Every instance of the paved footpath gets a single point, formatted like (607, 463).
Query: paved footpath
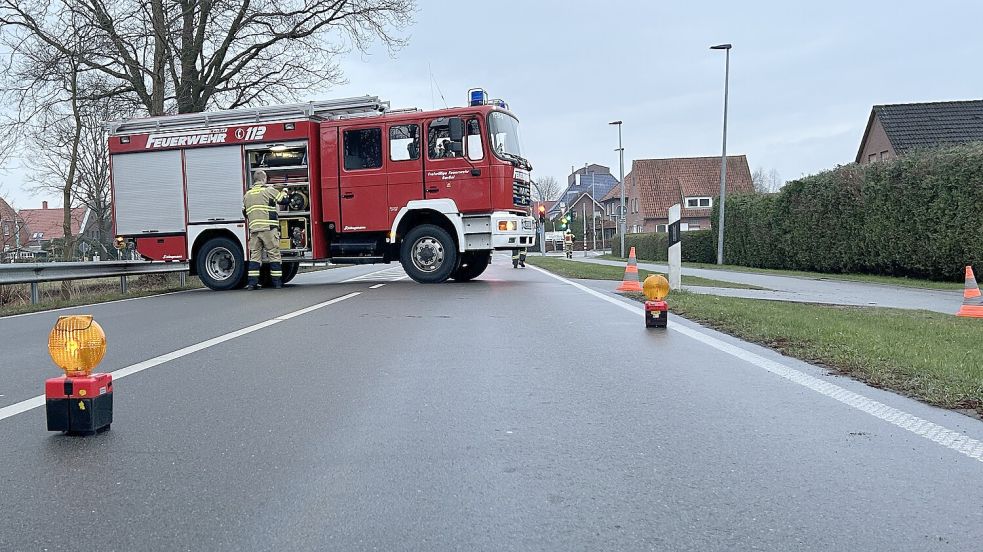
(813, 290)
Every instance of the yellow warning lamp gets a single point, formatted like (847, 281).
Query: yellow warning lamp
(656, 287)
(77, 344)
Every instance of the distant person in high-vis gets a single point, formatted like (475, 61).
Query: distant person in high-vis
(259, 206)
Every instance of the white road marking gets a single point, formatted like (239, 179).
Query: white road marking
(377, 286)
(24, 406)
(948, 438)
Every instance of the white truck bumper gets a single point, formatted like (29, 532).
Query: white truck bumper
(509, 231)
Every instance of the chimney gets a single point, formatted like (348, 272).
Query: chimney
(44, 204)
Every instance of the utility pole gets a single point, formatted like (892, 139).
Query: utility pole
(723, 156)
(621, 214)
(584, 205)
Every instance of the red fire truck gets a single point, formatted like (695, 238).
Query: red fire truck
(436, 190)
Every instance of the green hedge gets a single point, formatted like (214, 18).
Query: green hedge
(697, 246)
(919, 216)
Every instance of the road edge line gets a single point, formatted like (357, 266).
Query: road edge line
(936, 433)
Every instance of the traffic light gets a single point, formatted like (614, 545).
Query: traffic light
(542, 213)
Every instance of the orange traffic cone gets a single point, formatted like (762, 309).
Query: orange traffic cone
(630, 281)
(972, 299)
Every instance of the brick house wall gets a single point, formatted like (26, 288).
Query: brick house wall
(877, 146)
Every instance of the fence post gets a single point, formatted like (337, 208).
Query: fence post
(35, 293)
(122, 284)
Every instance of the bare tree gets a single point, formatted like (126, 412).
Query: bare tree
(92, 182)
(189, 55)
(546, 188)
(766, 182)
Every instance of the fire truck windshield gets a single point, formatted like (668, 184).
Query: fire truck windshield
(504, 131)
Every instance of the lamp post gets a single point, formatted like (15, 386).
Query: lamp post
(621, 213)
(723, 156)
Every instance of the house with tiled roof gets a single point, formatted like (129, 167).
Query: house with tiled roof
(655, 185)
(593, 179)
(896, 129)
(45, 226)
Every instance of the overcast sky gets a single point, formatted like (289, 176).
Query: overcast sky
(803, 77)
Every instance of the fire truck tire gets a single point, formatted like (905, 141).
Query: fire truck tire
(220, 264)
(428, 254)
(289, 271)
(473, 263)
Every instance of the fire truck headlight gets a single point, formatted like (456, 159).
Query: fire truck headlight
(507, 226)
(77, 344)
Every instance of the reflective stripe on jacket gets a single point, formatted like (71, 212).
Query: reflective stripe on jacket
(259, 205)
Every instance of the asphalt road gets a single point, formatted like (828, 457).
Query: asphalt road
(812, 290)
(516, 412)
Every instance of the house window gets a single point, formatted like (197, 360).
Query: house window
(363, 149)
(404, 142)
(698, 202)
(883, 155)
(694, 226)
(6, 229)
(661, 228)
(871, 158)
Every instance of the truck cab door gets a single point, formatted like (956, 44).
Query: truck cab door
(460, 176)
(363, 184)
(405, 166)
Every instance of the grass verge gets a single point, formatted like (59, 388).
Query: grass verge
(930, 356)
(865, 278)
(588, 271)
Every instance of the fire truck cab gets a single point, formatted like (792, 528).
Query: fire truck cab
(437, 191)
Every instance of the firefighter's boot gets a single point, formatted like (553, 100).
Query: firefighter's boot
(522, 258)
(515, 258)
(252, 282)
(276, 275)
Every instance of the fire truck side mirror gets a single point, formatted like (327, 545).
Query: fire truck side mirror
(456, 129)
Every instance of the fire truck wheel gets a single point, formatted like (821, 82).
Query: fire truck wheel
(220, 264)
(473, 263)
(289, 271)
(428, 254)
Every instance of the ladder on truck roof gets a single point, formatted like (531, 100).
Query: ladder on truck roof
(321, 110)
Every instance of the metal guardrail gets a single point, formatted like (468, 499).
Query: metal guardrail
(36, 273)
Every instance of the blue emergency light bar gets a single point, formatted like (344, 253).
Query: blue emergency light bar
(478, 96)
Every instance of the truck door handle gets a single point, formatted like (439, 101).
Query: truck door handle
(347, 195)
(432, 190)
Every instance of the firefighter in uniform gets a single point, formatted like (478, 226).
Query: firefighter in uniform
(568, 244)
(259, 206)
(519, 257)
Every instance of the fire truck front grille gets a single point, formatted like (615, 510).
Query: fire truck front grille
(521, 194)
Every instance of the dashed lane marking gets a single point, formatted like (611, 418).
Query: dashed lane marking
(29, 404)
(936, 433)
(377, 286)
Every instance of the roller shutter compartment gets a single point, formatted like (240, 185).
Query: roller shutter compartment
(148, 192)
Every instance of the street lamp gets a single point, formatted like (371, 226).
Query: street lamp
(723, 156)
(621, 213)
